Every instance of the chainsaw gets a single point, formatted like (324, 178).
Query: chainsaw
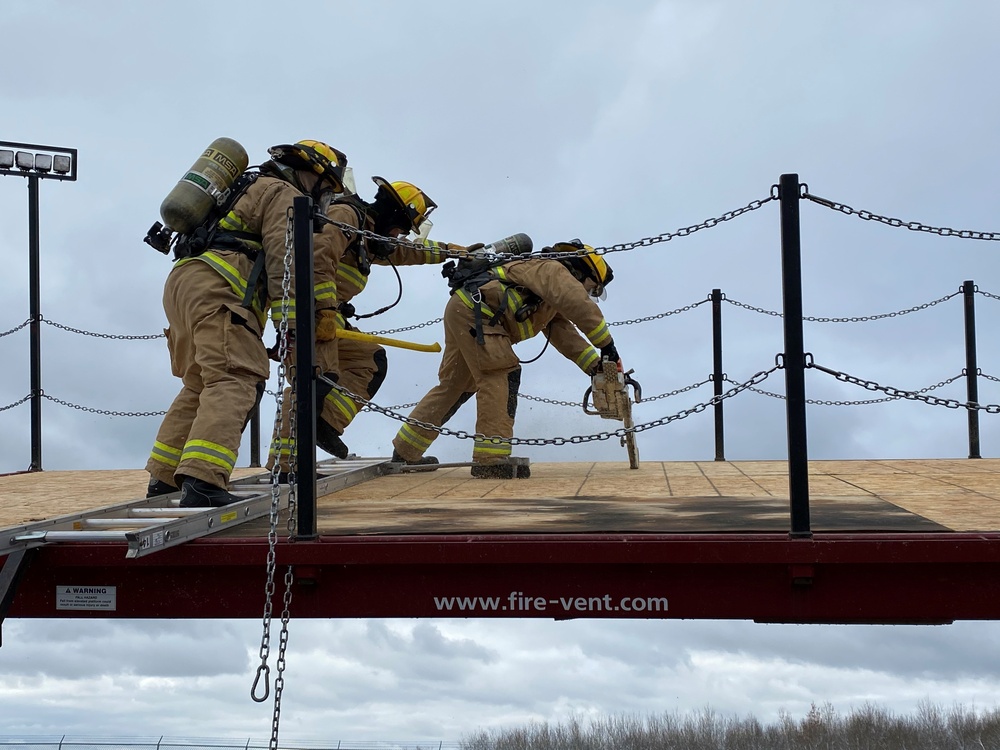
(609, 393)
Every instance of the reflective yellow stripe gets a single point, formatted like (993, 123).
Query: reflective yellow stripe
(600, 335)
(352, 276)
(165, 454)
(587, 359)
(231, 222)
(325, 290)
(283, 447)
(343, 404)
(276, 313)
(213, 453)
(432, 255)
(491, 449)
(410, 437)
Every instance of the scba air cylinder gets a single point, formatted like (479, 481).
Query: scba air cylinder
(204, 186)
(516, 244)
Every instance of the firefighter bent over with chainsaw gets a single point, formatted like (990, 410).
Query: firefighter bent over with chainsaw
(215, 300)
(488, 312)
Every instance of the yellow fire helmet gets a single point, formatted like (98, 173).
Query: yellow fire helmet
(587, 262)
(313, 156)
(413, 201)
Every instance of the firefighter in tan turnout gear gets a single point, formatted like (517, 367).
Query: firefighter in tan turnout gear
(215, 300)
(482, 321)
(398, 208)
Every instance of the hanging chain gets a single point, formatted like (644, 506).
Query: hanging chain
(575, 439)
(864, 402)
(16, 403)
(578, 404)
(105, 412)
(988, 377)
(263, 671)
(15, 329)
(871, 385)
(408, 328)
(986, 294)
(667, 314)
(600, 250)
(102, 335)
(858, 319)
(916, 226)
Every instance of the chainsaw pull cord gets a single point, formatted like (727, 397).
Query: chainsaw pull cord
(537, 356)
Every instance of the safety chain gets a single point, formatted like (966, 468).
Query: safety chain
(408, 328)
(15, 329)
(871, 385)
(105, 412)
(16, 403)
(575, 439)
(692, 306)
(856, 403)
(856, 319)
(600, 250)
(988, 377)
(916, 226)
(578, 404)
(986, 294)
(102, 335)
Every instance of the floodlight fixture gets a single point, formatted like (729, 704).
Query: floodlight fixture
(31, 160)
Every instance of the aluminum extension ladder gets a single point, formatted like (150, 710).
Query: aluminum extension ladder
(153, 524)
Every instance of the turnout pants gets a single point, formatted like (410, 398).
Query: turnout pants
(490, 371)
(216, 350)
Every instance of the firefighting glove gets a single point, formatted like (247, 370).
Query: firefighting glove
(474, 247)
(326, 325)
(610, 352)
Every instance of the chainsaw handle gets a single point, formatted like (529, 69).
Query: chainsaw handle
(586, 399)
(637, 389)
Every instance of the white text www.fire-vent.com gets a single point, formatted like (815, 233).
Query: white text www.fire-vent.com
(517, 601)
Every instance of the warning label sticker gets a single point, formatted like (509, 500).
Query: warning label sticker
(86, 597)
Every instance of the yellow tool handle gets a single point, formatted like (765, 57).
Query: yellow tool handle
(343, 333)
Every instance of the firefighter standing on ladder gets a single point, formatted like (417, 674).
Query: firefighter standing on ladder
(398, 208)
(216, 322)
(482, 321)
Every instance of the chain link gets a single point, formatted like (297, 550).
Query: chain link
(15, 329)
(916, 226)
(986, 294)
(102, 335)
(871, 385)
(573, 440)
(579, 404)
(988, 377)
(856, 319)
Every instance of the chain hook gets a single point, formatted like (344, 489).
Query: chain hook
(262, 671)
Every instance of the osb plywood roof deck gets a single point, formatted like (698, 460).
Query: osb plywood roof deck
(932, 495)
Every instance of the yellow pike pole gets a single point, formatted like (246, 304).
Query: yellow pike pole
(343, 333)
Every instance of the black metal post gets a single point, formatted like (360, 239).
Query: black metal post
(717, 374)
(305, 370)
(794, 356)
(35, 326)
(971, 368)
(255, 437)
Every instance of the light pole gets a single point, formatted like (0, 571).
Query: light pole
(36, 163)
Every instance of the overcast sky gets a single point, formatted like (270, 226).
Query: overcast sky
(607, 122)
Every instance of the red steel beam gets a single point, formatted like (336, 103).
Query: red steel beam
(831, 578)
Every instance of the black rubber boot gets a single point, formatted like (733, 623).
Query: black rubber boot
(493, 471)
(523, 471)
(197, 493)
(328, 439)
(158, 487)
(422, 461)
